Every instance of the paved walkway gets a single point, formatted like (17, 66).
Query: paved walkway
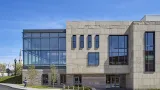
(18, 87)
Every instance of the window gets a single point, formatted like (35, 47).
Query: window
(93, 58)
(74, 41)
(149, 51)
(96, 41)
(118, 50)
(44, 49)
(89, 41)
(81, 41)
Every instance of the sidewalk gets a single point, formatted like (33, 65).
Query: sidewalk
(22, 87)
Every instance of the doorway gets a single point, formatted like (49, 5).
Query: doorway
(45, 79)
(113, 81)
(77, 80)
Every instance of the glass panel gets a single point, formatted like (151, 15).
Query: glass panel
(44, 34)
(97, 41)
(74, 41)
(114, 44)
(121, 42)
(30, 57)
(37, 57)
(62, 43)
(54, 57)
(27, 34)
(82, 41)
(89, 41)
(53, 34)
(33, 57)
(35, 44)
(45, 57)
(54, 43)
(91, 59)
(45, 44)
(62, 57)
(35, 34)
(25, 57)
(62, 34)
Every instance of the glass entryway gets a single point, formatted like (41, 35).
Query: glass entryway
(77, 80)
(115, 81)
(45, 79)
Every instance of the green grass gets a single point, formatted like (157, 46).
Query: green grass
(11, 79)
(80, 88)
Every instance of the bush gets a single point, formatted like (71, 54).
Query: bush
(11, 79)
(80, 88)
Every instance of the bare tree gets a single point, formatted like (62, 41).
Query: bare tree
(2, 69)
(32, 73)
(53, 74)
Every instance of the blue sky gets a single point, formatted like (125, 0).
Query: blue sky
(16, 15)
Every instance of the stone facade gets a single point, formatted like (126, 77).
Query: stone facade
(95, 76)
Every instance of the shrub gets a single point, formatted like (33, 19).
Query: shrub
(80, 88)
(11, 79)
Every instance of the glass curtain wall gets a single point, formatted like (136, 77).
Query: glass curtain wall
(44, 49)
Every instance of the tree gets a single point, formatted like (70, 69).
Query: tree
(53, 74)
(2, 69)
(18, 68)
(32, 73)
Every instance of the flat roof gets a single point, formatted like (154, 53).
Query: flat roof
(44, 30)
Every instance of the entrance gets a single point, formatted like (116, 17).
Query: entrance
(45, 79)
(113, 81)
(77, 80)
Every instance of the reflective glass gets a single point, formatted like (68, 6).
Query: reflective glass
(62, 34)
(45, 44)
(35, 34)
(44, 34)
(97, 41)
(89, 41)
(62, 57)
(62, 43)
(93, 58)
(118, 49)
(44, 57)
(27, 34)
(74, 41)
(54, 43)
(54, 57)
(35, 44)
(81, 41)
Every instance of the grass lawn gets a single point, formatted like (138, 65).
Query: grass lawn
(40, 87)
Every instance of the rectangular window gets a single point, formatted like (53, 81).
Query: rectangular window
(96, 41)
(149, 52)
(74, 41)
(118, 50)
(89, 41)
(93, 58)
(81, 41)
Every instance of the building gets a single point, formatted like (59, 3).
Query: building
(100, 54)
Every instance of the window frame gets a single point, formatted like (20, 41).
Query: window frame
(96, 41)
(89, 39)
(81, 41)
(74, 41)
(96, 58)
(125, 60)
(146, 47)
